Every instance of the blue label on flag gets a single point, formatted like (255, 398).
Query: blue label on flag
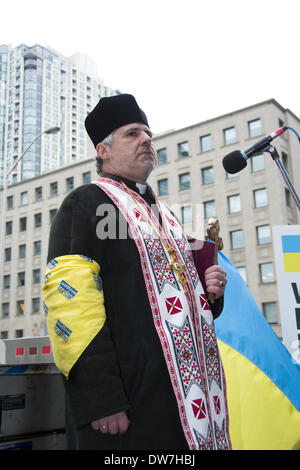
(86, 258)
(45, 308)
(52, 264)
(47, 277)
(66, 290)
(62, 330)
(98, 282)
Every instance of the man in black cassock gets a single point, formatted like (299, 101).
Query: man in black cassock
(118, 389)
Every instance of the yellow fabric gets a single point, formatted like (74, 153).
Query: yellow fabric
(260, 416)
(291, 262)
(74, 303)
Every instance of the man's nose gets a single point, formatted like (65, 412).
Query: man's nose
(146, 138)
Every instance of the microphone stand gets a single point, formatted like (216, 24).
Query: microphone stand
(274, 154)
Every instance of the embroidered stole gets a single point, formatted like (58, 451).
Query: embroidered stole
(183, 321)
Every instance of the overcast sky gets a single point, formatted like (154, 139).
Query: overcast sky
(185, 61)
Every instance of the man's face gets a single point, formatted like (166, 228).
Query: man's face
(131, 153)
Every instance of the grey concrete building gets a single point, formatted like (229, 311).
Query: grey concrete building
(191, 180)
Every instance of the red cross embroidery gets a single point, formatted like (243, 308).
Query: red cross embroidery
(171, 221)
(199, 408)
(204, 302)
(217, 404)
(173, 305)
(138, 215)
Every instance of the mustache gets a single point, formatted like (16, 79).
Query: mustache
(147, 148)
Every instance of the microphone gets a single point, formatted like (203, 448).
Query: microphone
(237, 160)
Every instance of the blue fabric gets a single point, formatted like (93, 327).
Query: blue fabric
(243, 327)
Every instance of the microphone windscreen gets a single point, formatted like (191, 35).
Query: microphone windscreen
(234, 162)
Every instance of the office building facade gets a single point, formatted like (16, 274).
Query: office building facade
(191, 180)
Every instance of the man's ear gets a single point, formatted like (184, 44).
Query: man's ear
(103, 151)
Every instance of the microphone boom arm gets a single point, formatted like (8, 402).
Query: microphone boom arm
(274, 154)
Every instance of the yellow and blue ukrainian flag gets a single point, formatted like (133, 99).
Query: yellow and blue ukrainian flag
(291, 253)
(263, 381)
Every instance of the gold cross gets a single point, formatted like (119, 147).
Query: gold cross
(178, 268)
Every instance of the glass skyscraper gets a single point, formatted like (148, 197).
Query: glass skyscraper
(39, 89)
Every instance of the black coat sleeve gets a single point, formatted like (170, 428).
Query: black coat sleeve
(94, 387)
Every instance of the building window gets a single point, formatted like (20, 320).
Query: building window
(205, 143)
(184, 181)
(266, 273)
(284, 159)
(258, 163)
(21, 279)
(237, 239)
(288, 199)
(5, 310)
(23, 224)
(242, 272)
(162, 156)
(53, 189)
(69, 183)
(183, 150)
(19, 333)
(254, 128)
(270, 311)
(8, 228)
(39, 193)
(36, 276)
(7, 254)
(186, 214)
(6, 281)
(22, 251)
(10, 202)
(209, 209)
(207, 175)
(234, 204)
(229, 136)
(37, 220)
(4, 335)
(162, 187)
(37, 247)
(24, 198)
(86, 177)
(231, 175)
(36, 305)
(260, 197)
(263, 233)
(20, 307)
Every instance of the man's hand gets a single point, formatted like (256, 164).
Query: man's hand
(215, 280)
(114, 424)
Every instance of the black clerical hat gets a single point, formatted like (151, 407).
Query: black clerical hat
(110, 114)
